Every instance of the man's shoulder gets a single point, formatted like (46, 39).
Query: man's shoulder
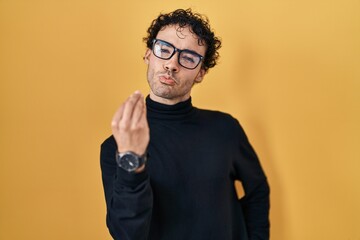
(109, 143)
(219, 119)
(216, 115)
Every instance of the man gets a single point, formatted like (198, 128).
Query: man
(169, 168)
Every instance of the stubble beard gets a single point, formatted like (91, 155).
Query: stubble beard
(159, 89)
(176, 92)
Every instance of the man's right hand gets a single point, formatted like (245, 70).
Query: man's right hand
(130, 127)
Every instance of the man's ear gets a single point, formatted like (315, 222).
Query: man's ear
(200, 75)
(147, 55)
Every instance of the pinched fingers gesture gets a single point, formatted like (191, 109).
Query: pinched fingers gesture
(130, 127)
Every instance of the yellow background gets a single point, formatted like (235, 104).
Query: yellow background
(289, 71)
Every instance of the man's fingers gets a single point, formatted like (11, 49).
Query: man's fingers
(124, 115)
(143, 118)
(117, 117)
(138, 111)
(129, 108)
(129, 125)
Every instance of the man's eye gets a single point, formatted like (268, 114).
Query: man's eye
(188, 59)
(165, 50)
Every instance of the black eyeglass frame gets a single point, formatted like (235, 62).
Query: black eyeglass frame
(176, 50)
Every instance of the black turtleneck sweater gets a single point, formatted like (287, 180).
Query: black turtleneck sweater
(187, 190)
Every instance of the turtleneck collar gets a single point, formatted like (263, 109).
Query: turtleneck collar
(163, 111)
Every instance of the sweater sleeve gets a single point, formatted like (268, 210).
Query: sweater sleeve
(256, 202)
(128, 197)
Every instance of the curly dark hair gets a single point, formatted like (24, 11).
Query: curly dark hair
(198, 24)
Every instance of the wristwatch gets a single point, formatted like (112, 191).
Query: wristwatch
(130, 161)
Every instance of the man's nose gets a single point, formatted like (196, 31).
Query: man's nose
(172, 64)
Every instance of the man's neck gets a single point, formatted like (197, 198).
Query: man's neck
(168, 101)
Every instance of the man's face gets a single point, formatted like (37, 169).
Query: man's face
(170, 82)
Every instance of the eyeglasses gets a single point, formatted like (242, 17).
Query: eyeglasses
(186, 58)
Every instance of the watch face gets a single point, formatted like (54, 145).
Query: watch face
(129, 162)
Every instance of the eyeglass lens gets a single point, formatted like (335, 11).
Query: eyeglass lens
(186, 58)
